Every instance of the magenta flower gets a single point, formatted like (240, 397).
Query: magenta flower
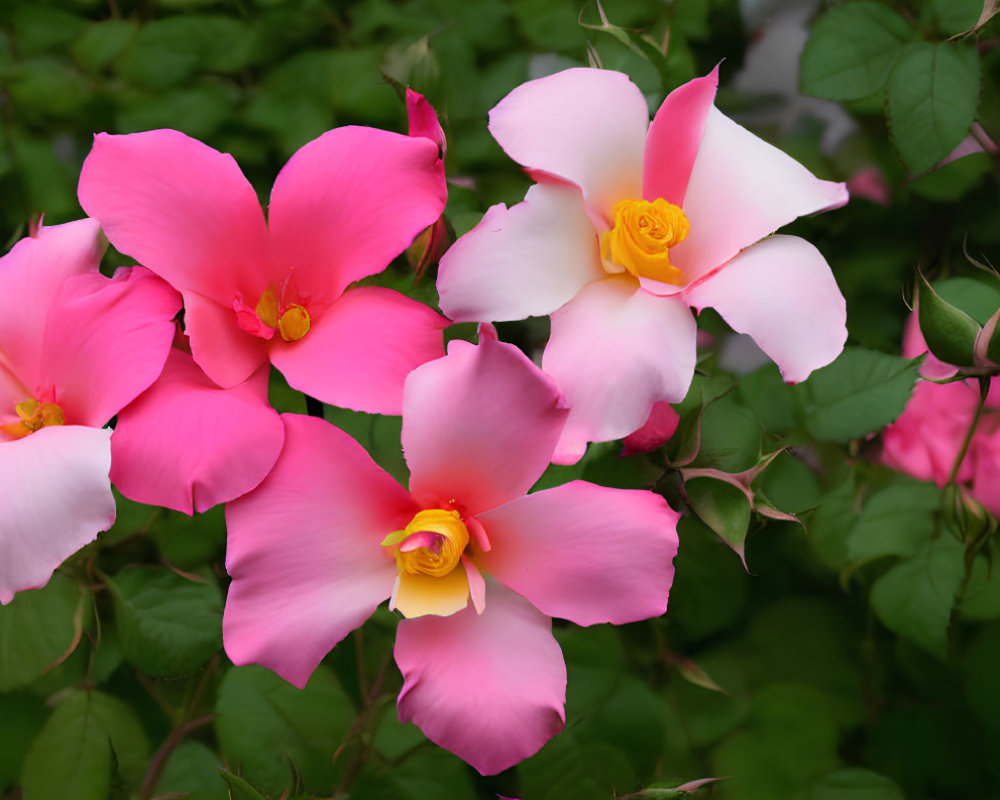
(328, 536)
(75, 347)
(342, 207)
(631, 223)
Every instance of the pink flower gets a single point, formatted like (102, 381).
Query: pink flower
(342, 207)
(328, 536)
(631, 223)
(926, 439)
(75, 347)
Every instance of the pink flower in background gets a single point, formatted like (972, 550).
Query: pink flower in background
(342, 207)
(75, 347)
(629, 225)
(328, 536)
(926, 439)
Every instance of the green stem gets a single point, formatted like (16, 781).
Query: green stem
(984, 389)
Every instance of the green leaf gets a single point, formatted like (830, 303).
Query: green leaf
(169, 625)
(730, 436)
(193, 769)
(851, 50)
(240, 788)
(266, 727)
(37, 628)
(853, 783)
(956, 16)
(861, 392)
(982, 597)
(103, 42)
(21, 716)
(897, 519)
(977, 298)
(916, 596)
(721, 506)
(931, 99)
(950, 333)
(78, 748)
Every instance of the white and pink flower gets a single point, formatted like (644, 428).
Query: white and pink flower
(629, 225)
(475, 564)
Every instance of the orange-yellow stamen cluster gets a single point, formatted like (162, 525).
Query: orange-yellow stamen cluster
(432, 544)
(33, 416)
(642, 235)
(292, 321)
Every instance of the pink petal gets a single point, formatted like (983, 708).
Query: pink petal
(359, 351)
(228, 354)
(674, 137)
(181, 209)
(31, 275)
(488, 687)
(188, 445)
(742, 189)
(57, 497)
(585, 553)
(478, 425)
(349, 202)
(524, 261)
(423, 120)
(615, 350)
(304, 550)
(655, 432)
(106, 341)
(587, 126)
(782, 293)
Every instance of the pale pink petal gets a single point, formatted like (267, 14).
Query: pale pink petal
(742, 189)
(349, 202)
(488, 687)
(188, 445)
(423, 120)
(359, 351)
(57, 497)
(478, 425)
(304, 550)
(106, 341)
(615, 350)
(30, 276)
(587, 126)
(181, 209)
(584, 552)
(781, 292)
(228, 354)
(522, 261)
(657, 429)
(674, 138)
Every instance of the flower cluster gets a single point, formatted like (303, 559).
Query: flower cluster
(629, 225)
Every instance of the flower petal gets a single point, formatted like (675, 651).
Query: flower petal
(741, 189)
(57, 497)
(228, 354)
(304, 550)
(584, 552)
(31, 275)
(349, 202)
(106, 341)
(522, 261)
(488, 687)
(782, 293)
(422, 120)
(181, 209)
(417, 595)
(615, 350)
(674, 138)
(359, 351)
(655, 431)
(188, 445)
(479, 425)
(587, 126)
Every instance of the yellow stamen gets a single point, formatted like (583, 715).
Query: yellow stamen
(267, 308)
(436, 537)
(34, 416)
(293, 323)
(641, 237)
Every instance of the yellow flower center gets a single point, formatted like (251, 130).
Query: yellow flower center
(432, 544)
(33, 416)
(292, 321)
(642, 236)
